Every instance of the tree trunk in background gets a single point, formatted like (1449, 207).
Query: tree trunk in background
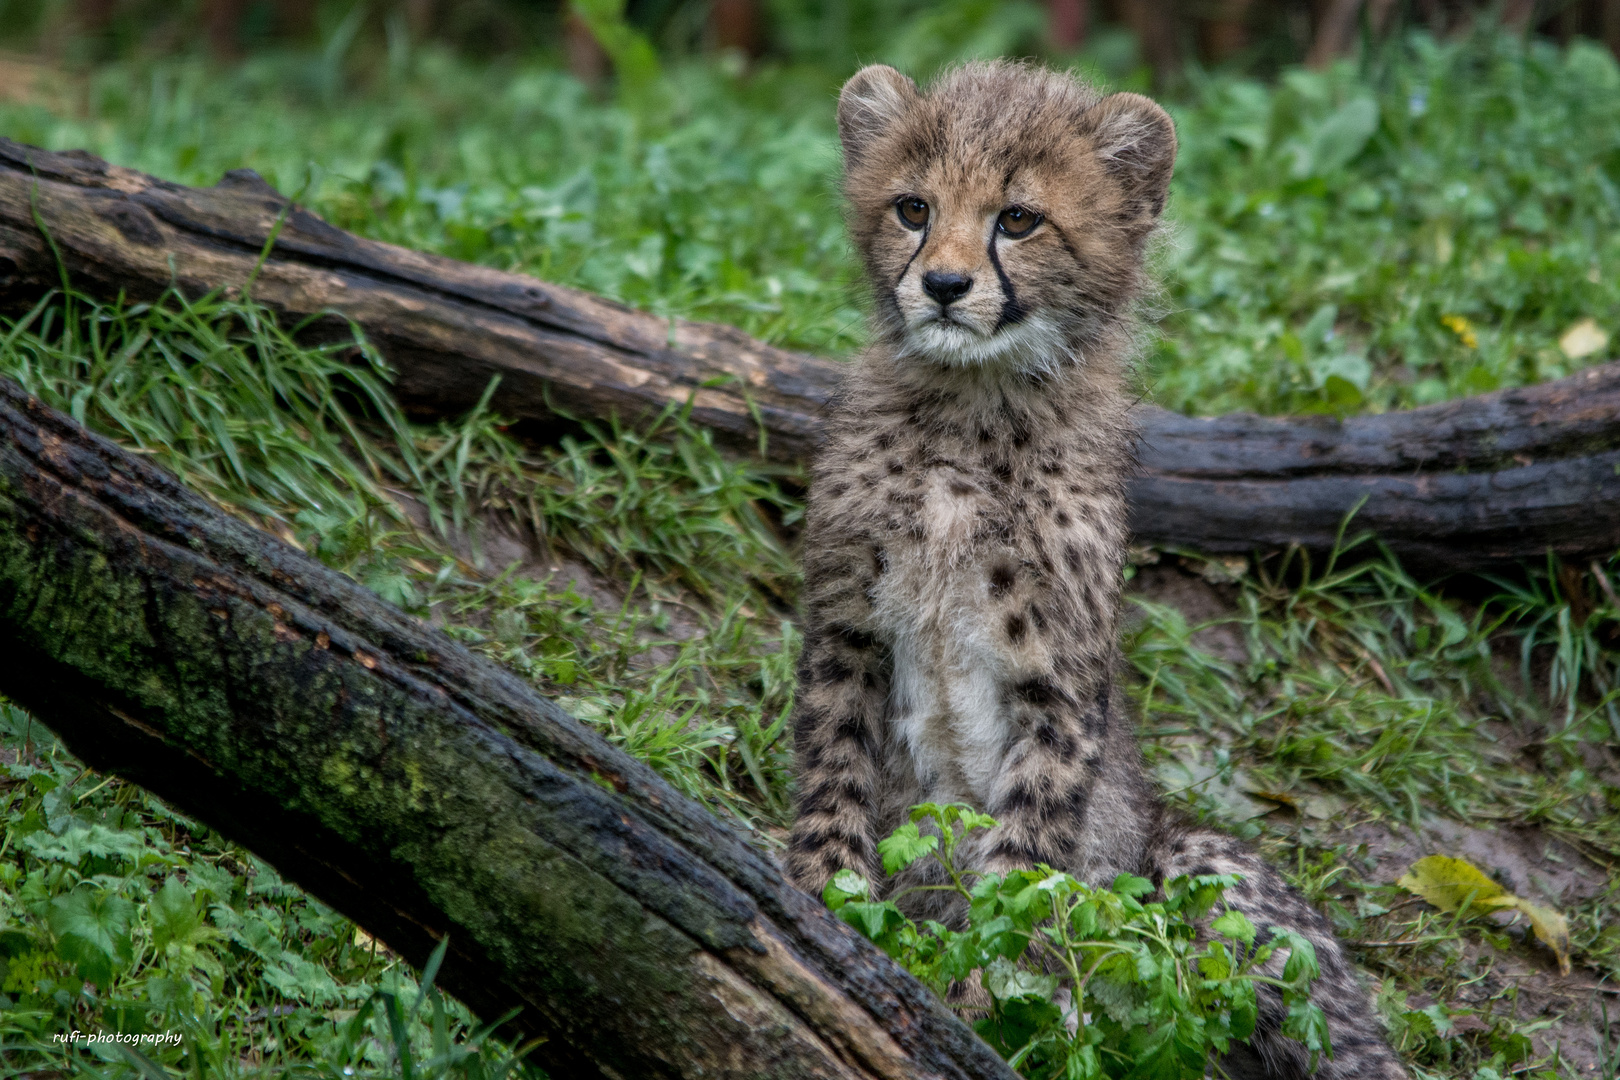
(425, 791)
(1066, 23)
(1436, 16)
(222, 21)
(1335, 32)
(735, 25)
(1462, 485)
(421, 17)
(1380, 16)
(587, 60)
(1518, 15)
(1567, 22)
(1156, 28)
(295, 19)
(93, 16)
(1610, 25)
(1226, 33)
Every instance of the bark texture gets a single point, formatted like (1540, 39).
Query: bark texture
(1463, 485)
(425, 791)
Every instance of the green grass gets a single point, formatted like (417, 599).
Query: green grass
(1328, 229)
(1304, 271)
(120, 915)
(1362, 682)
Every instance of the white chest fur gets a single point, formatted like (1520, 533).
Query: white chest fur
(950, 659)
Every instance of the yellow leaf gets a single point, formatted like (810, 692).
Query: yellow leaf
(1449, 883)
(1551, 928)
(1464, 330)
(1583, 339)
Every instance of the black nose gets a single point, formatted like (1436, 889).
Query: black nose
(945, 286)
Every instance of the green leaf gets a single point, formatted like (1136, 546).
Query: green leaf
(875, 920)
(144, 1065)
(1452, 627)
(78, 841)
(1193, 895)
(1159, 997)
(1026, 899)
(431, 972)
(1306, 1023)
(1082, 1064)
(905, 846)
(1340, 395)
(1235, 925)
(1116, 999)
(1301, 963)
(174, 914)
(634, 60)
(846, 885)
(1007, 981)
(1338, 139)
(1004, 936)
(1132, 886)
(1083, 919)
(299, 979)
(971, 820)
(92, 931)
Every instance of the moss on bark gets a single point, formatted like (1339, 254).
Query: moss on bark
(422, 790)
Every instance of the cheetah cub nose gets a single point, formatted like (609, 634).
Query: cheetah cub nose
(946, 286)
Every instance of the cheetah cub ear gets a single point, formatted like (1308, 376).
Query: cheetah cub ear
(1136, 141)
(873, 99)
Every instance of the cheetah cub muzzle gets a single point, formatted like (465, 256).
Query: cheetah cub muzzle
(967, 522)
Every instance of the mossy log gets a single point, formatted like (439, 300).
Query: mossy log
(425, 791)
(1463, 485)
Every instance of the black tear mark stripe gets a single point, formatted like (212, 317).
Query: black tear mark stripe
(1012, 312)
(928, 228)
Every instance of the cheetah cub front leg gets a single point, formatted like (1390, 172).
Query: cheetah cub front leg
(966, 524)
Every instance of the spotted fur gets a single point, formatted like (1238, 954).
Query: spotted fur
(967, 521)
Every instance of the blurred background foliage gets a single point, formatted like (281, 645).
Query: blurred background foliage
(1255, 36)
(1378, 203)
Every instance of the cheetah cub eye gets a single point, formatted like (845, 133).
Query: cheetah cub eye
(913, 212)
(1017, 222)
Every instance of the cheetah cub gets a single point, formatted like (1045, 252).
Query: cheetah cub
(967, 523)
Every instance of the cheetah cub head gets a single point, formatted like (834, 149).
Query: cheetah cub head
(1002, 215)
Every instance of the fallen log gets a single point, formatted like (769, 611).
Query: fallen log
(425, 791)
(1462, 485)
